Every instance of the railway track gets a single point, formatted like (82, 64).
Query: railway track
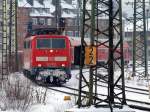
(74, 92)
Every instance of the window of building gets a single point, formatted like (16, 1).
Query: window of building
(47, 10)
(40, 10)
(49, 21)
(87, 35)
(34, 21)
(41, 2)
(76, 34)
(70, 33)
(70, 22)
(66, 11)
(42, 21)
(76, 22)
(32, 10)
(27, 44)
(149, 52)
(148, 42)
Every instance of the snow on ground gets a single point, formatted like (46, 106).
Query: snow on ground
(54, 103)
(93, 109)
(55, 100)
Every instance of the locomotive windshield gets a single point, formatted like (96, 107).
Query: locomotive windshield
(51, 43)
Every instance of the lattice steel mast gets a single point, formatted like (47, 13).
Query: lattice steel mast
(13, 54)
(9, 38)
(139, 39)
(89, 93)
(4, 41)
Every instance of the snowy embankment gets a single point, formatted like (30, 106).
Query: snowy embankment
(45, 100)
(20, 94)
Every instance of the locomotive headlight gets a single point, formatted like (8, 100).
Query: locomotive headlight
(41, 58)
(39, 65)
(60, 58)
(63, 65)
(51, 51)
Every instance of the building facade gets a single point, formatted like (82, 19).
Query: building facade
(34, 14)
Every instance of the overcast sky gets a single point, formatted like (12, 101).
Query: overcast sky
(129, 8)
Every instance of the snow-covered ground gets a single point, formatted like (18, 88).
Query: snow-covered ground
(54, 101)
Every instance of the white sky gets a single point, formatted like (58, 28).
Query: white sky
(129, 8)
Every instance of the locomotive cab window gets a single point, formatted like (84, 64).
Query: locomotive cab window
(43, 43)
(51, 43)
(58, 43)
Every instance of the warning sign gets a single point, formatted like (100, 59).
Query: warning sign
(90, 55)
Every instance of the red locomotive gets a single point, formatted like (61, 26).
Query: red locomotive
(47, 58)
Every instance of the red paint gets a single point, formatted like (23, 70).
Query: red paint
(31, 54)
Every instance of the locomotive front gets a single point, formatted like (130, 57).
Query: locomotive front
(51, 58)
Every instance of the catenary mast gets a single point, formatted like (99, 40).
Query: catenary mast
(93, 11)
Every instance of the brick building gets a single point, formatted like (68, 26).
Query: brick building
(22, 25)
(42, 14)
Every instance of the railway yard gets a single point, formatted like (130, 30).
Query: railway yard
(74, 56)
(137, 92)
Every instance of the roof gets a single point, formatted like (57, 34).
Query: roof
(69, 15)
(38, 8)
(46, 8)
(65, 5)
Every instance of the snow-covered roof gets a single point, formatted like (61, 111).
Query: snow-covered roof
(70, 15)
(23, 3)
(46, 4)
(66, 5)
(37, 6)
(38, 13)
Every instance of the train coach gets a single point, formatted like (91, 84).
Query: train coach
(102, 51)
(47, 58)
